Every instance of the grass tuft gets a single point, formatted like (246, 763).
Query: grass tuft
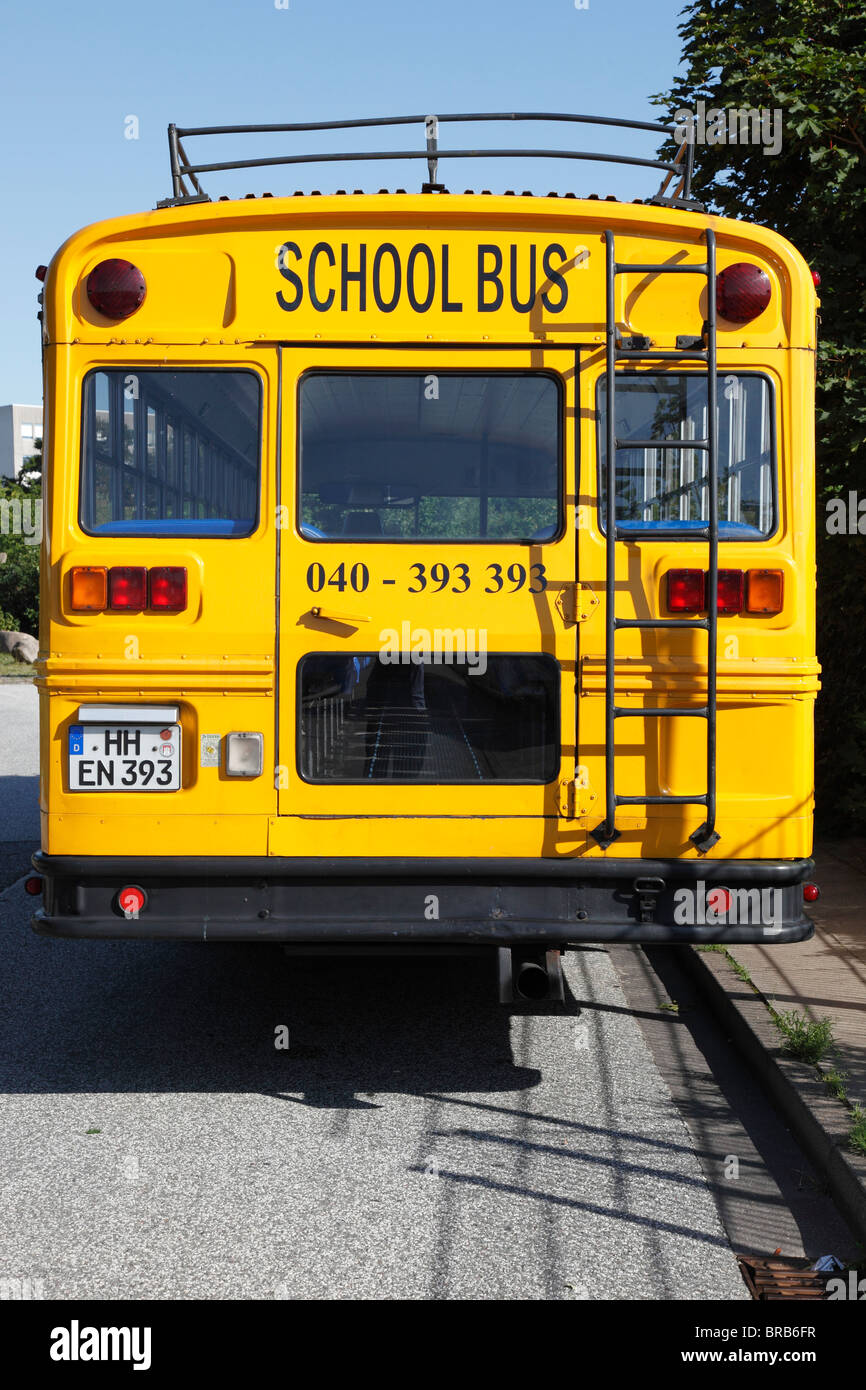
(10, 667)
(857, 1137)
(807, 1039)
(835, 1080)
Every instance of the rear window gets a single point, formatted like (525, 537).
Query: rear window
(667, 489)
(170, 453)
(446, 456)
(371, 717)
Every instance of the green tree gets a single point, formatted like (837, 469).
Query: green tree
(807, 59)
(30, 476)
(20, 515)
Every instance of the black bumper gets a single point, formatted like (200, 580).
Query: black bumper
(456, 902)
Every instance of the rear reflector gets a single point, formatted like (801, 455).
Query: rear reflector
(168, 589)
(33, 885)
(89, 589)
(765, 591)
(686, 590)
(132, 900)
(730, 591)
(742, 292)
(116, 288)
(811, 892)
(719, 900)
(127, 587)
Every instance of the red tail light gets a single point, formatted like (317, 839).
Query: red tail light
(168, 589)
(686, 590)
(811, 892)
(730, 590)
(116, 288)
(127, 588)
(742, 292)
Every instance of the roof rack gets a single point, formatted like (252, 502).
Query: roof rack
(675, 189)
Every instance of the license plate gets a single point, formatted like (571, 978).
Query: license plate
(124, 758)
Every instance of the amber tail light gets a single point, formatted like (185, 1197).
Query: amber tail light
(89, 589)
(765, 591)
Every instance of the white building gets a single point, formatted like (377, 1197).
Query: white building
(20, 427)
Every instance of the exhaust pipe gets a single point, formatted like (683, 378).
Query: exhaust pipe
(531, 981)
(529, 977)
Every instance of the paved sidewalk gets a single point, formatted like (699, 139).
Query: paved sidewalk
(823, 978)
(826, 977)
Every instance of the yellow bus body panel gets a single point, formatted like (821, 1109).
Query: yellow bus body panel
(217, 296)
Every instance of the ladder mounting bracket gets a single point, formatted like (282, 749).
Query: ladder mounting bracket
(702, 840)
(604, 837)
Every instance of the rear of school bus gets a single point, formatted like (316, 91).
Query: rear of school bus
(325, 657)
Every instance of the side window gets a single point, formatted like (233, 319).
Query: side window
(170, 453)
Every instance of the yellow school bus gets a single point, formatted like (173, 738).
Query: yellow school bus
(428, 570)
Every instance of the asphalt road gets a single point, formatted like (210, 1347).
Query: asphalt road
(19, 779)
(415, 1140)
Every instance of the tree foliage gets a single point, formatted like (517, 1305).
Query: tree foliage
(19, 573)
(807, 59)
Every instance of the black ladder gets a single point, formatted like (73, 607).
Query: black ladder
(706, 835)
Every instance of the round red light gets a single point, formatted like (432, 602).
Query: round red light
(816, 278)
(116, 288)
(742, 292)
(131, 900)
(33, 885)
(811, 892)
(719, 899)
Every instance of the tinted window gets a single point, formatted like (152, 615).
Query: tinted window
(444, 456)
(667, 488)
(170, 453)
(364, 718)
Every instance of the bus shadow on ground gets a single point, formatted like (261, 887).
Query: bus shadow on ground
(84, 1016)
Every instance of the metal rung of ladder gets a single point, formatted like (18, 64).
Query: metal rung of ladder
(706, 835)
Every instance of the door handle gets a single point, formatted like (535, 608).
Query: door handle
(333, 616)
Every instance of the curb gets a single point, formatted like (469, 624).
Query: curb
(819, 1121)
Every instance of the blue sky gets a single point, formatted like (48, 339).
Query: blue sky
(75, 72)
